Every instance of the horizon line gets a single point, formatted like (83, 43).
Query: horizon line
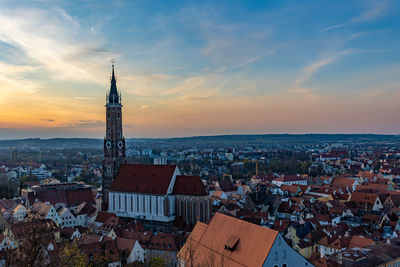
(217, 135)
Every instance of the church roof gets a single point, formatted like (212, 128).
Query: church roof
(145, 179)
(189, 185)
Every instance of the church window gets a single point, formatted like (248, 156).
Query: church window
(187, 210)
(131, 203)
(157, 206)
(202, 212)
(144, 204)
(194, 212)
(150, 207)
(182, 203)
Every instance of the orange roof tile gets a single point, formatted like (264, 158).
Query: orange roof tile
(251, 242)
(360, 242)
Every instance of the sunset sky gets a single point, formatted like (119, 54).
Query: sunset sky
(188, 68)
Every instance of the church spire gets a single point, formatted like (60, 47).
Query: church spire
(113, 97)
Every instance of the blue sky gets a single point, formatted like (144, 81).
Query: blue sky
(200, 67)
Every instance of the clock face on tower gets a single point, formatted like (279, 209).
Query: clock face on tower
(108, 145)
(120, 145)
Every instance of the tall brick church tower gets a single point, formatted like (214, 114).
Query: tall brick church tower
(114, 141)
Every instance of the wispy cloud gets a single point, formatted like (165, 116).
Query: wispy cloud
(13, 80)
(52, 39)
(308, 71)
(83, 98)
(374, 10)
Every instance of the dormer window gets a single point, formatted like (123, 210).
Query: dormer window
(232, 242)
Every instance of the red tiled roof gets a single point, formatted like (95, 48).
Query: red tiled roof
(140, 178)
(70, 197)
(106, 249)
(103, 216)
(189, 185)
(7, 204)
(360, 242)
(360, 197)
(41, 208)
(163, 241)
(76, 197)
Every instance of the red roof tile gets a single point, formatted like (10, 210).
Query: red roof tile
(189, 185)
(140, 178)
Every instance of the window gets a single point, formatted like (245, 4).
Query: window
(284, 265)
(202, 212)
(150, 205)
(157, 205)
(144, 204)
(137, 203)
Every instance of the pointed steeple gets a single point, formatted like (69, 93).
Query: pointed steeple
(113, 97)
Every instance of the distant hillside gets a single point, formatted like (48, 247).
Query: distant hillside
(208, 140)
(275, 138)
(52, 142)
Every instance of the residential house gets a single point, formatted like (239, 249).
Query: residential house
(232, 242)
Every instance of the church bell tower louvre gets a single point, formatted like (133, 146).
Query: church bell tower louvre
(114, 141)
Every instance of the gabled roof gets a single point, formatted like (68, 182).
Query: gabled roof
(41, 208)
(189, 185)
(250, 243)
(145, 179)
(6, 204)
(124, 244)
(69, 196)
(361, 197)
(85, 208)
(163, 241)
(103, 216)
(226, 185)
(360, 242)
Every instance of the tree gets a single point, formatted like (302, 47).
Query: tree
(37, 247)
(157, 262)
(71, 255)
(32, 250)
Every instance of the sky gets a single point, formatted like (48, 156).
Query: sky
(189, 68)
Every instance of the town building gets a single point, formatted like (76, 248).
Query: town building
(69, 195)
(227, 241)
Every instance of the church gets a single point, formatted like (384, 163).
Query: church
(153, 193)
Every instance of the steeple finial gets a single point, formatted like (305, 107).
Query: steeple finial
(113, 96)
